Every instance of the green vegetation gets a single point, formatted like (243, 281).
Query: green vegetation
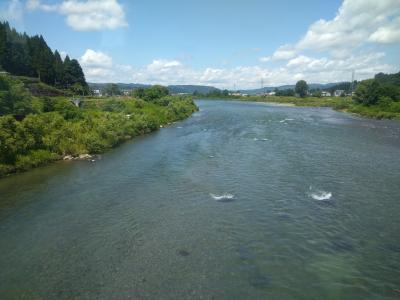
(374, 98)
(23, 55)
(53, 127)
(301, 88)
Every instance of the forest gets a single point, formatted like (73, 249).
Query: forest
(22, 55)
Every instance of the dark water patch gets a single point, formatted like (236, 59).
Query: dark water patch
(343, 244)
(183, 252)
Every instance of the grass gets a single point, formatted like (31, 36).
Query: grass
(344, 104)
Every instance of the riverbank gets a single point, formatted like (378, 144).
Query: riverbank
(343, 104)
(63, 130)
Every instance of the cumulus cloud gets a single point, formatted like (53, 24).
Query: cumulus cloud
(99, 67)
(328, 52)
(86, 15)
(387, 34)
(357, 23)
(93, 59)
(283, 53)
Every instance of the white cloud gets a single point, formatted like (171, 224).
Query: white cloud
(36, 4)
(86, 15)
(328, 52)
(387, 34)
(99, 67)
(265, 59)
(284, 52)
(355, 21)
(12, 11)
(95, 59)
(163, 65)
(63, 54)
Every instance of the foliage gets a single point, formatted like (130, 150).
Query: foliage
(287, 93)
(14, 98)
(112, 90)
(57, 128)
(301, 88)
(152, 93)
(368, 92)
(23, 55)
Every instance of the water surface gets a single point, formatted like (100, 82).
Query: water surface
(308, 208)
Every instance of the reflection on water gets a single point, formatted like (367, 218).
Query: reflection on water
(242, 200)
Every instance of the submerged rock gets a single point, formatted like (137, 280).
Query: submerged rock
(183, 252)
(84, 156)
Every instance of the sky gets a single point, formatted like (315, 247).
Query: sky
(224, 43)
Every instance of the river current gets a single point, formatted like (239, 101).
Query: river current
(240, 201)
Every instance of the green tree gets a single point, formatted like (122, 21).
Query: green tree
(14, 98)
(78, 89)
(42, 59)
(155, 92)
(301, 88)
(112, 90)
(58, 69)
(368, 92)
(3, 42)
(139, 93)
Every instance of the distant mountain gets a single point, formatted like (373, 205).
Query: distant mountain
(312, 86)
(174, 89)
(122, 86)
(204, 89)
(190, 89)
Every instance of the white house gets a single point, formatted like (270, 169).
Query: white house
(97, 93)
(339, 93)
(326, 94)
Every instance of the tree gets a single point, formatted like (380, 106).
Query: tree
(3, 42)
(301, 88)
(139, 93)
(368, 92)
(112, 90)
(58, 69)
(73, 73)
(23, 55)
(155, 92)
(78, 89)
(14, 98)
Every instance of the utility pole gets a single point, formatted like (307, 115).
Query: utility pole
(262, 86)
(353, 73)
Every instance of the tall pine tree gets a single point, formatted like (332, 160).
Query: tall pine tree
(31, 56)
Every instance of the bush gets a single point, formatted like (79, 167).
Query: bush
(368, 92)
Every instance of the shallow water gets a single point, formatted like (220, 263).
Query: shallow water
(229, 204)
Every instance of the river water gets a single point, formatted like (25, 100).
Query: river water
(240, 201)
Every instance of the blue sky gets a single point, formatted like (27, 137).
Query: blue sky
(221, 43)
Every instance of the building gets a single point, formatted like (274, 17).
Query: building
(126, 92)
(339, 93)
(97, 93)
(326, 94)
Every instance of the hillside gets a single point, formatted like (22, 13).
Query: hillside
(30, 56)
(173, 89)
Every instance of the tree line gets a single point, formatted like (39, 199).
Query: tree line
(24, 55)
(53, 127)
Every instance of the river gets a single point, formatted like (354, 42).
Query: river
(240, 201)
